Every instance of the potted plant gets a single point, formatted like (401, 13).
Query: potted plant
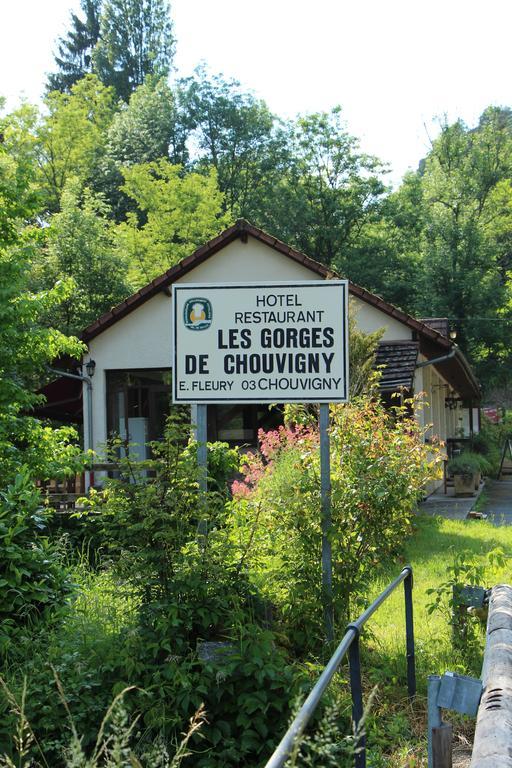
(465, 469)
(484, 468)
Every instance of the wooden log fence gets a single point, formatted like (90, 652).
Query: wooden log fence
(492, 746)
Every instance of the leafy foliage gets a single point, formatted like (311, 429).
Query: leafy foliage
(72, 136)
(79, 250)
(181, 212)
(449, 220)
(147, 129)
(170, 550)
(32, 577)
(26, 346)
(236, 134)
(19, 196)
(379, 467)
(339, 187)
(113, 747)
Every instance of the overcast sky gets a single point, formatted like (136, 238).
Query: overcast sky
(393, 65)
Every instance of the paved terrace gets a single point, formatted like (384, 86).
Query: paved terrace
(497, 507)
(448, 505)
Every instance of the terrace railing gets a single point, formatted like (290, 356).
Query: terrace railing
(350, 644)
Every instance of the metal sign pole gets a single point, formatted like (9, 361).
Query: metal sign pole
(202, 450)
(325, 491)
(202, 471)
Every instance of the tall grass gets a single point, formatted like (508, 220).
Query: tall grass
(93, 625)
(399, 727)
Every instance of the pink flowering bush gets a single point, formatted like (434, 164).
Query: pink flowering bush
(271, 445)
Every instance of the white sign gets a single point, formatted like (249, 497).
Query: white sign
(260, 342)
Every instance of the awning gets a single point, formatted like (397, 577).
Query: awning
(63, 401)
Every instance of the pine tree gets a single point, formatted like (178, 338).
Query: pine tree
(74, 59)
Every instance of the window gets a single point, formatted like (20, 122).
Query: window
(239, 424)
(138, 403)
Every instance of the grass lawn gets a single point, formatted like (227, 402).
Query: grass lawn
(430, 552)
(400, 730)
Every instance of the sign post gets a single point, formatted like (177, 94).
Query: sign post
(270, 342)
(202, 449)
(325, 494)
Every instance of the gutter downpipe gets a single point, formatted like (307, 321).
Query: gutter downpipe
(436, 360)
(80, 377)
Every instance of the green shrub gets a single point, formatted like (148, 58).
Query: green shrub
(115, 745)
(223, 464)
(379, 467)
(84, 643)
(490, 440)
(169, 547)
(33, 579)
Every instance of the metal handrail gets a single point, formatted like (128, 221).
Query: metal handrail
(350, 644)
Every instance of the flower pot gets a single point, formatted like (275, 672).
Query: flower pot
(464, 485)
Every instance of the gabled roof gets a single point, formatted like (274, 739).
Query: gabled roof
(239, 231)
(242, 229)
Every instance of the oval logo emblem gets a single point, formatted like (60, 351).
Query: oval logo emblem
(197, 314)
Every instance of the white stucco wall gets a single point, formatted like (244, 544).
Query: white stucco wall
(370, 319)
(248, 262)
(445, 423)
(142, 339)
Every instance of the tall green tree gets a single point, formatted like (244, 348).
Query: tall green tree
(328, 192)
(72, 136)
(20, 198)
(148, 128)
(74, 57)
(450, 221)
(386, 257)
(176, 213)
(79, 247)
(465, 275)
(26, 344)
(136, 39)
(32, 577)
(236, 134)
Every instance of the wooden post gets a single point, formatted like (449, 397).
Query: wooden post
(442, 746)
(493, 736)
(434, 720)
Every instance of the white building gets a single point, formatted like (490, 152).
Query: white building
(131, 347)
